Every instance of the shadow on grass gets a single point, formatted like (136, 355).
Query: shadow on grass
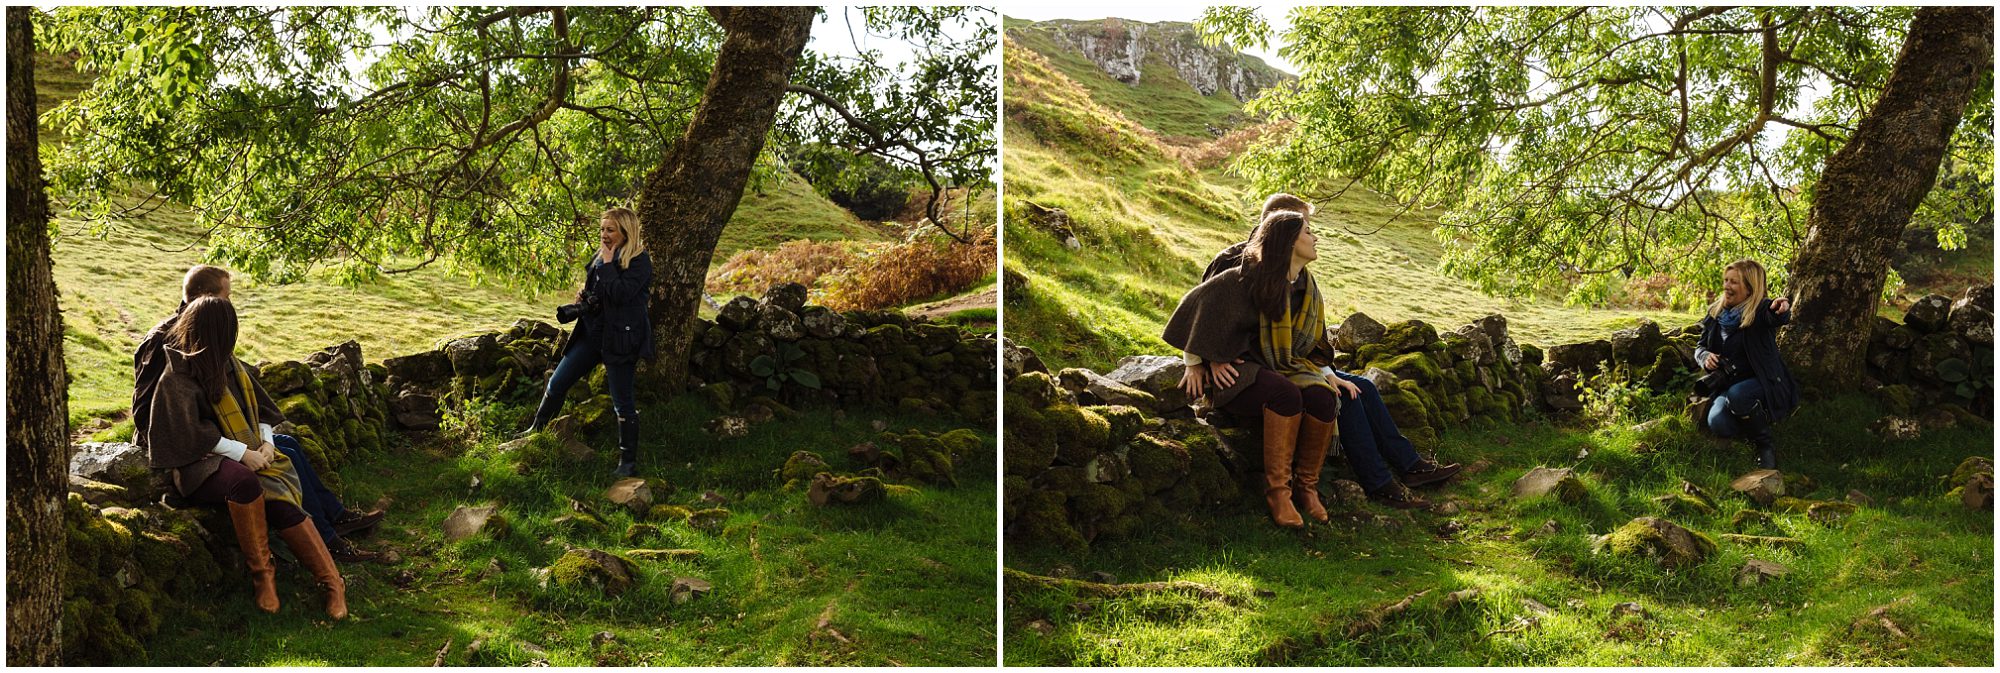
(908, 581)
(1319, 597)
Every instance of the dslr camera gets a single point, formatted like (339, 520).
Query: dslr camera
(1714, 382)
(589, 305)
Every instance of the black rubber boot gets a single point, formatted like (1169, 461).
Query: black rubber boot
(1756, 423)
(544, 412)
(628, 447)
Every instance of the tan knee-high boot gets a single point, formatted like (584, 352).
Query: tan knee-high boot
(305, 543)
(1281, 434)
(1315, 439)
(253, 538)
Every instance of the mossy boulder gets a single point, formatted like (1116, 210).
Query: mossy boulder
(708, 520)
(667, 513)
(1560, 483)
(1079, 433)
(1038, 389)
(1657, 539)
(128, 571)
(591, 568)
(1156, 463)
(800, 468)
(1125, 421)
(830, 489)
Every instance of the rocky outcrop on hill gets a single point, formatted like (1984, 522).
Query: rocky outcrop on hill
(1122, 47)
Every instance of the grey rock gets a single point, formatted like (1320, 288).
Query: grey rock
(119, 463)
(1156, 375)
(788, 296)
(465, 522)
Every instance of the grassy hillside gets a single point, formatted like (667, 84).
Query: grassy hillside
(1148, 223)
(787, 209)
(1160, 101)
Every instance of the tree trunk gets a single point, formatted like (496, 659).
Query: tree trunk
(37, 406)
(1871, 186)
(691, 195)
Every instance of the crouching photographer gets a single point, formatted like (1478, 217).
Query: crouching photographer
(612, 328)
(1744, 372)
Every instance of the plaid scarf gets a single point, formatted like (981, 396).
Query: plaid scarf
(1283, 344)
(238, 421)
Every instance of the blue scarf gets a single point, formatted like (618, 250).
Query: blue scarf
(1729, 319)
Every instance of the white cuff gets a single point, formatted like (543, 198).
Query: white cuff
(264, 430)
(1190, 359)
(231, 448)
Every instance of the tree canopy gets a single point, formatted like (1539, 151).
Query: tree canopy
(382, 139)
(1569, 146)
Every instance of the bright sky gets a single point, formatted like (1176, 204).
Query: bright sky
(1154, 12)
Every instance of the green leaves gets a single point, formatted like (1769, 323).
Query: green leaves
(396, 137)
(1571, 148)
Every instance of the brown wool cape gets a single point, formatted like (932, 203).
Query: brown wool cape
(184, 431)
(1216, 322)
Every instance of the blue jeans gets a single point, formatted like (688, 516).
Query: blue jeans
(321, 505)
(1739, 398)
(574, 366)
(1369, 436)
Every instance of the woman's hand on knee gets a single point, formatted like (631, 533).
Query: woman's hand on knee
(1224, 373)
(256, 459)
(1346, 388)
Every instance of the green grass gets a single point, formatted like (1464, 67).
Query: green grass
(117, 286)
(1149, 224)
(787, 209)
(1915, 550)
(906, 582)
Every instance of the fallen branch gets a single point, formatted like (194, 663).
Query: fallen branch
(1102, 590)
(442, 651)
(1373, 619)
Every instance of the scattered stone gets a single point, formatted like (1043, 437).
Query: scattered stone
(727, 427)
(513, 445)
(879, 425)
(1858, 498)
(1977, 493)
(712, 499)
(1658, 539)
(1761, 486)
(493, 569)
(390, 557)
(1537, 607)
(590, 567)
(1548, 528)
(1764, 541)
(664, 554)
(1896, 428)
(1750, 519)
(1042, 627)
(632, 493)
(1541, 481)
(1629, 609)
(578, 522)
(1445, 507)
(828, 488)
(708, 520)
(801, 466)
(465, 522)
(1450, 528)
(601, 638)
(1102, 577)
(1757, 571)
(640, 532)
(688, 588)
(1349, 493)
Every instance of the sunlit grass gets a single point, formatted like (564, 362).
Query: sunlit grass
(1914, 549)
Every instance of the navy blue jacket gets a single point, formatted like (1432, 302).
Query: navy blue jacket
(622, 330)
(1756, 346)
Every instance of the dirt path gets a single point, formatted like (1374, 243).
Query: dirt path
(935, 310)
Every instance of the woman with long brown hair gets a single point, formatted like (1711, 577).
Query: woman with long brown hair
(1739, 347)
(205, 415)
(1250, 327)
(612, 328)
